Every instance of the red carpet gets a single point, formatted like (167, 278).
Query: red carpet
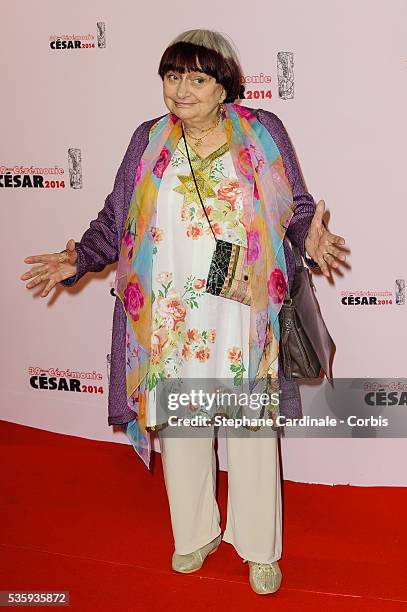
(72, 520)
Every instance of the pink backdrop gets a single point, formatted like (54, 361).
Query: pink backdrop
(346, 120)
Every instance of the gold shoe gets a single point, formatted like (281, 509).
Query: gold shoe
(194, 560)
(264, 577)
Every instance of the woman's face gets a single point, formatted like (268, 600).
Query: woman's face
(192, 96)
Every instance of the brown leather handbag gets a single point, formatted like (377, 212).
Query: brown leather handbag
(305, 343)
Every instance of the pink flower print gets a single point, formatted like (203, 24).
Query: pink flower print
(157, 234)
(172, 311)
(129, 242)
(162, 162)
(203, 354)
(245, 163)
(253, 246)
(193, 335)
(216, 228)
(133, 300)
(199, 283)
(212, 335)
(200, 213)
(229, 190)
(158, 342)
(186, 352)
(235, 355)
(185, 213)
(277, 286)
(194, 231)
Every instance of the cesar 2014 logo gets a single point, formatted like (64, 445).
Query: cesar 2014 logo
(376, 298)
(80, 41)
(54, 379)
(43, 177)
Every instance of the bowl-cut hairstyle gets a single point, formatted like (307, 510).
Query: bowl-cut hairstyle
(209, 52)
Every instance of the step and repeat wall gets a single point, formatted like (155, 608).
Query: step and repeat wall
(78, 78)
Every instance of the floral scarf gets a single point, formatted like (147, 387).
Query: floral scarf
(267, 210)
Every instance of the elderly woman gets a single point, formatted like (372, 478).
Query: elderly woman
(209, 175)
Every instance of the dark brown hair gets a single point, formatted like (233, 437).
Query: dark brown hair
(188, 57)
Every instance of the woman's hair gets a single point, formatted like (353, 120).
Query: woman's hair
(205, 51)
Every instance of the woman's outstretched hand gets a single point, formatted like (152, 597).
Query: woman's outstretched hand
(320, 243)
(52, 269)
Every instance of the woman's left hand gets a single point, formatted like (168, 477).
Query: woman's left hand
(320, 243)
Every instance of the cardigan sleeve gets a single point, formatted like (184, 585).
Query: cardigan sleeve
(100, 244)
(304, 202)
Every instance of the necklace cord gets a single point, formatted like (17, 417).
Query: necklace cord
(196, 184)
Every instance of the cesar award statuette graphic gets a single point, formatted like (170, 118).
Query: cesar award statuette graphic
(75, 168)
(285, 74)
(400, 291)
(101, 26)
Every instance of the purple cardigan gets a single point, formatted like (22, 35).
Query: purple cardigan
(100, 246)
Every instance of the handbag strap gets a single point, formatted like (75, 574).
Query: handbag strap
(298, 267)
(297, 256)
(196, 184)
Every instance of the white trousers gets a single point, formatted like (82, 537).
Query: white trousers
(254, 516)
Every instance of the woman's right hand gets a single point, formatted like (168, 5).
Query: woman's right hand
(52, 269)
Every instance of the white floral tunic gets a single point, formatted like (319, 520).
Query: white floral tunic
(195, 334)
